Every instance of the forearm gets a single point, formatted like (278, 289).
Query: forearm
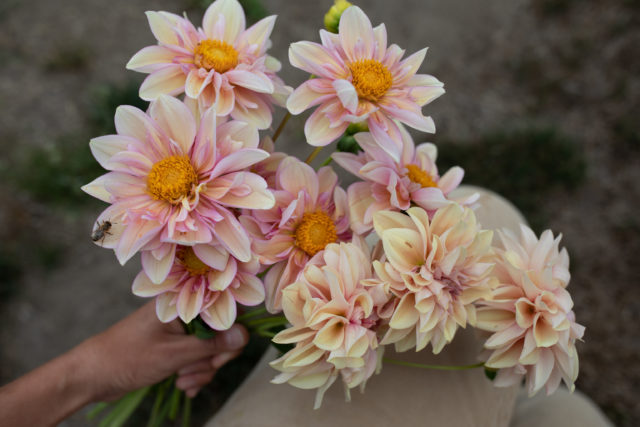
(48, 394)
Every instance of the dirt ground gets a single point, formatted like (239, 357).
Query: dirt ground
(569, 64)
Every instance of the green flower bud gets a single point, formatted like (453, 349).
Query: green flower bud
(332, 18)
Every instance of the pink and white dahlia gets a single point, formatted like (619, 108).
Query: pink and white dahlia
(436, 268)
(204, 280)
(333, 322)
(396, 183)
(530, 314)
(310, 212)
(220, 64)
(358, 78)
(175, 179)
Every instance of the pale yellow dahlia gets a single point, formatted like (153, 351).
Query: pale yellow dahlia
(333, 320)
(437, 269)
(530, 314)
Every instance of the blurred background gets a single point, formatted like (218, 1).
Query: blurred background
(541, 106)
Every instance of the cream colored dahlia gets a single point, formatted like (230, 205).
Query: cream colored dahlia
(530, 314)
(204, 280)
(437, 269)
(221, 63)
(333, 320)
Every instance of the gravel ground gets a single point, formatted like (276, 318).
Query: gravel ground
(571, 65)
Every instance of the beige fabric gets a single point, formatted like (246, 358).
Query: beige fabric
(399, 396)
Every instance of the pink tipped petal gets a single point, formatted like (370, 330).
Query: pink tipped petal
(105, 147)
(166, 308)
(356, 34)
(96, 188)
(168, 80)
(150, 59)
(239, 160)
(143, 286)
(408, 68)
(315, 59)
(231, 13)
(319, 131)
(214, 256)
(134, 237)
(305, 96)
(157, 270)
(222, 313)
(250, 292)
(259, 196)
(161, 24)
(347, 94)
(295, 176)
(232, 236)
(196, 82)
(256, 36)
(257, 82)
(450, 180)
(190, 302)
(175, 119)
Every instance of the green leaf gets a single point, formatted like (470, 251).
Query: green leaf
(124, 407)
(97, 408)
(490, 373)
(174, 403)
(202, 330)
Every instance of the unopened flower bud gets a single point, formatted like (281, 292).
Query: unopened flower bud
(332, 17)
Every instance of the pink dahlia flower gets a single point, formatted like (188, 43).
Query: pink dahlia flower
(204, 280)
(530, 314)
(174, 181)
(358, 78)
(310, 212)
(396, 183)
(333, 322)
(436, 268)
(220, 63)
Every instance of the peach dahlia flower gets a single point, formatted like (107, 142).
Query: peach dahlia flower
(175, 179)
(204, 280)
(220, 63)
(394, 184)
(358, 78)
(530, 314)
(333, 320)
(437, 270)
(310, 212)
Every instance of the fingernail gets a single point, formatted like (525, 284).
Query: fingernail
(235, 337)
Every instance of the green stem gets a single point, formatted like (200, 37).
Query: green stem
(186, 412)
(251, 313)
(275, 320)
(281, 126)
(327, 162)
(438, 367)
(313, 155)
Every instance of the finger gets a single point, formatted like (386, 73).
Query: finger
(192, 392)
(193, 349)
(197, 380)
(221, 359)
(198, 366)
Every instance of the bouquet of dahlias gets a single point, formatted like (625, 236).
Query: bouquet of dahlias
(221, 218)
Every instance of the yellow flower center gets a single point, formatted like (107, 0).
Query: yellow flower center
(315, 232)
(191, 262)
(370, 78)
(419, 176)
(171, 179)
(215, 55)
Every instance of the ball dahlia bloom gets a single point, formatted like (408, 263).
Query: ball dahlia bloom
(204, 280)
(175, 179)
(530, 314)
(436, 269)
(333, 322)
(220, 63)
(310, 212)
(396, 183)
(359, 78)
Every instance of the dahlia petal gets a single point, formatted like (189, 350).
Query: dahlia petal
(232, 15)
(150, 59)
(504, 358)
(257, 36)
(293, 335)
(303, 355)
(96, 188)
(380, 48)
(450, 180)
(544, 333)
(162, 26)
(256, 81)
(316, 59)
(260, 116)
(424, 89)
(385, 220)
(355, 29)
(408, 116)
(405, 314)
(504, 337)
(331, 335)
(134, 237)
(196, 82)
(430, 198)
(239, 160)
(260, 197)
(232, 236)
(294, 176)
(168, 80)
(189, 303)
(348, 161)
(214, 256)
(493, 320)
(250, 292)
(222, 313)
(240, 135)
(166, 308)
(541, 371)
(408, 67)
(347, 94)
(157, 270)
(219, 280)
(304, 97)
(144, 287)
(175, 119)
(105, 147)
(319, 131)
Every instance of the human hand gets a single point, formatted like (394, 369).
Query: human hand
(140, 350)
